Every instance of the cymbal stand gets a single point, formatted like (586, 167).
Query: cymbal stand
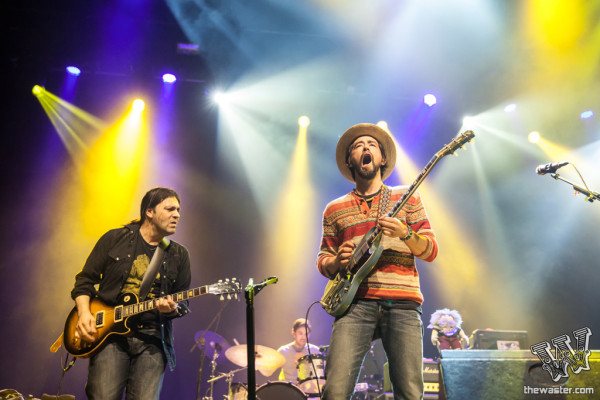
(213, 367)
(249, 293)
(202, 342)
(229, 379)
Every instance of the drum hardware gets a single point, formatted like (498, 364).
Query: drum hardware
(311, 374)
(229, 380)
(267, 360)
(279, 390)
(213, 367)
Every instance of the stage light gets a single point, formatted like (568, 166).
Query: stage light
(534, 137)
(429, 99)
(169, 78)
(218, 97)
(138, 105)
(73, 70)
(510, 108)
(303, 121)
(587, 114)
(37, 90)
(188, 48)
(383, 125)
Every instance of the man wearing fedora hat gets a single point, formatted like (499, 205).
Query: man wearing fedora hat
(387, 304)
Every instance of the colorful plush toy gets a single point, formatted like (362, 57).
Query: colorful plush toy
(446, 331)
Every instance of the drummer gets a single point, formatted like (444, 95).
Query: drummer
(295, 350)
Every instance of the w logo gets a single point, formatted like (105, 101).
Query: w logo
(557, 366)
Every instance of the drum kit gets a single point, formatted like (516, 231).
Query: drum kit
(311, 370)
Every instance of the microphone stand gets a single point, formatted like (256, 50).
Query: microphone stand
(591, 196)
(249, 293)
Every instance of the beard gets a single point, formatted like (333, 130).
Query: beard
(366, 173)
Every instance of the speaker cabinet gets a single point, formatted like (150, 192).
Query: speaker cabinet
(510, 374)
(431, 380)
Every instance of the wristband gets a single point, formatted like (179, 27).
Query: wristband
(408, 235)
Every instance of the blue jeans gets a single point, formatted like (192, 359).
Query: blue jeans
(126, 362)
(401, 333)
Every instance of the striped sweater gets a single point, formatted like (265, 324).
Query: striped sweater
(395, 275)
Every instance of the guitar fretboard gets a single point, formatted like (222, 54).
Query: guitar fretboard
(128, 310)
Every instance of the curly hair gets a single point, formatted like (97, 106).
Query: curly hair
(435, 317)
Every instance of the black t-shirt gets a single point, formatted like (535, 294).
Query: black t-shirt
(149, 321)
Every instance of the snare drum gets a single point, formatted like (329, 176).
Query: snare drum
(239, 391)
(311, 374)
(279, 391)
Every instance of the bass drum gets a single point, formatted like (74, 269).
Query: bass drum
(279, 391)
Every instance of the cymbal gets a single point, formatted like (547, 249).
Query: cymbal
(267, 360)
(213, 342)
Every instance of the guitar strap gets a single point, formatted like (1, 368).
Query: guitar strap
(385, 198)
(155, 262)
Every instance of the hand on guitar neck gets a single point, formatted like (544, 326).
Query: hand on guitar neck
(395, 228)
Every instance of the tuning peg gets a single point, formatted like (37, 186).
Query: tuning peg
(228, 297)
(455, 154)
(227, 280)
(220, 280)
(221, 298)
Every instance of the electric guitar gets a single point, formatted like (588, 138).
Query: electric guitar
(340, 290)
(114, 320)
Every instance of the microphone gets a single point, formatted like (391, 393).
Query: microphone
(550, 168)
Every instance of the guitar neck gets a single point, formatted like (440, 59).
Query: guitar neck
(413, 187)
(137, 308)
(400, 203)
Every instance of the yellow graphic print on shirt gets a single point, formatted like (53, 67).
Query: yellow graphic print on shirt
(134, 280)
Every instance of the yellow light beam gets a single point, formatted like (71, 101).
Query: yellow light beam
(113, 171)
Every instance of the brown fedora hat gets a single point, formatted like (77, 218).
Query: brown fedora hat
(380, 134)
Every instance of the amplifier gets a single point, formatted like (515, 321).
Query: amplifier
(488, 339)
(431, 379)
(511, 374)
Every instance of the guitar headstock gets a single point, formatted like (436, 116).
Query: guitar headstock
(227, 287)
(458, 142)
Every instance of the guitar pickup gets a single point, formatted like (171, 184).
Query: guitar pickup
(99, 319)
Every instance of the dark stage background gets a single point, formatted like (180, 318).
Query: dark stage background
(517, 251)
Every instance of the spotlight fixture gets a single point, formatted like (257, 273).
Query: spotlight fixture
(169, 78)
(586, 114)
(138, 105)
(73, 70)
(534, 137)
(303, 121)
(429, 99)
(188, 48)
(383, 125)
(37, 90)
(510, 108)
(218, 97)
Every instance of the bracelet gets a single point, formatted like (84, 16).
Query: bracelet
(408, 235)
